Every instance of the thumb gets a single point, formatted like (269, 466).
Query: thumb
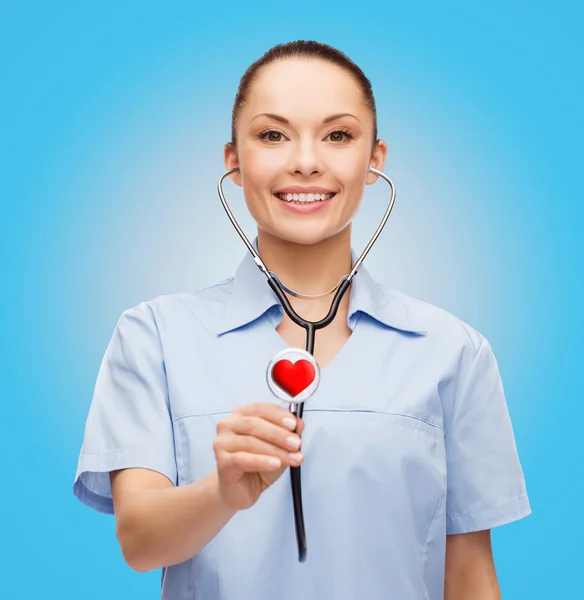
(300, 427)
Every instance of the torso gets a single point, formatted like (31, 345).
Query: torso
(374, 456)
(374, 478)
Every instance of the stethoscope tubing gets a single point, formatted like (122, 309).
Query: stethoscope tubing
(311, 327)
(297, 409)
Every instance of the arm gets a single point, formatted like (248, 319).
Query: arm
(470, 569)
(158, 524)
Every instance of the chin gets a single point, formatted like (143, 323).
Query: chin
(304, 235)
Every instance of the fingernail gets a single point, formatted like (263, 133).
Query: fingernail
(296, 456)
(290, 423)
(293, 442)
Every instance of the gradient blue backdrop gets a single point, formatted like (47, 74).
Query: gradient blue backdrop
(114, 116)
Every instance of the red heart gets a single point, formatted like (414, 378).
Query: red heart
(293, 377)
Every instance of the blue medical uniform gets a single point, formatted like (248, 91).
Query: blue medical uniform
(407, 439)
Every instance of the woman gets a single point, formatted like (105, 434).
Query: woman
(408, 455)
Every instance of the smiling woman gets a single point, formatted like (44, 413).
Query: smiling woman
(326, 134)
(410, 453)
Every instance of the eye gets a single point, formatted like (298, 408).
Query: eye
(337, 135)
(271, 135)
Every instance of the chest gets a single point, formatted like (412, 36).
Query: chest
(373, 480)
(372, 369)
(328, 341)
(374, 475)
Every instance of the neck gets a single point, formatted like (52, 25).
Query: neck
(311, 270)
(307, 269)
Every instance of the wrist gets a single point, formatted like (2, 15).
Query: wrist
(218, 499)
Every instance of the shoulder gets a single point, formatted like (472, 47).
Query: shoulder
(439, 326)
(450, 350)
(205, 307)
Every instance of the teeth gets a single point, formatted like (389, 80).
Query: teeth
(304, 197)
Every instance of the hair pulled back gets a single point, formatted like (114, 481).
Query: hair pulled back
(302, 49)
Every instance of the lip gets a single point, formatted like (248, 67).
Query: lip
(304, 208)
(298, 189)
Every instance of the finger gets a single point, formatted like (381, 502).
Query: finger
(245, 443)
(300, 427)
(299, 424)
(249, 462)
(266, 431)
(268, 411)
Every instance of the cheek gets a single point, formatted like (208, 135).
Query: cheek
(259, 167)
(349, 163)
(350, 173)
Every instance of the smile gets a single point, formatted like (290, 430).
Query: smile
(304, 198)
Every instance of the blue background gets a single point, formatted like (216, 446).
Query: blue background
(113, 120)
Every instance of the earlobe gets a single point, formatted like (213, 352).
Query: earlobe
(236, 177)
(231, 162)
(377, 161)
(371, 177)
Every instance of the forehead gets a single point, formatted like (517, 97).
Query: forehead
(299, 88)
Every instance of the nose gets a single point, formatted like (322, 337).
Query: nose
(305, 159)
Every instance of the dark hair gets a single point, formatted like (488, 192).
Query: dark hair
(302, 49)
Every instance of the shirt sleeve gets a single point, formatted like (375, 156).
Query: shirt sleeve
(129, 422)
(485, 482)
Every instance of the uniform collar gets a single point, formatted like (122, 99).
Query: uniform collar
(251, 297)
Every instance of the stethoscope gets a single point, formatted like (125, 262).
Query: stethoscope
(297, 400)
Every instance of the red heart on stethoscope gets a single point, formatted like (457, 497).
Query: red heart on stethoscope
(293, 377)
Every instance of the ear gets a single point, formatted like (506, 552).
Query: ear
(377, 161)
(231, 161)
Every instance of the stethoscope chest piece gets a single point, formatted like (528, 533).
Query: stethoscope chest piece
(293, 375)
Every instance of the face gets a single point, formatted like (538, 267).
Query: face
(304, 146)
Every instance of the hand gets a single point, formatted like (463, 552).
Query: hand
(252, 451)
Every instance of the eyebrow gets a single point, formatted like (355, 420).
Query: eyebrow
(286, 121)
